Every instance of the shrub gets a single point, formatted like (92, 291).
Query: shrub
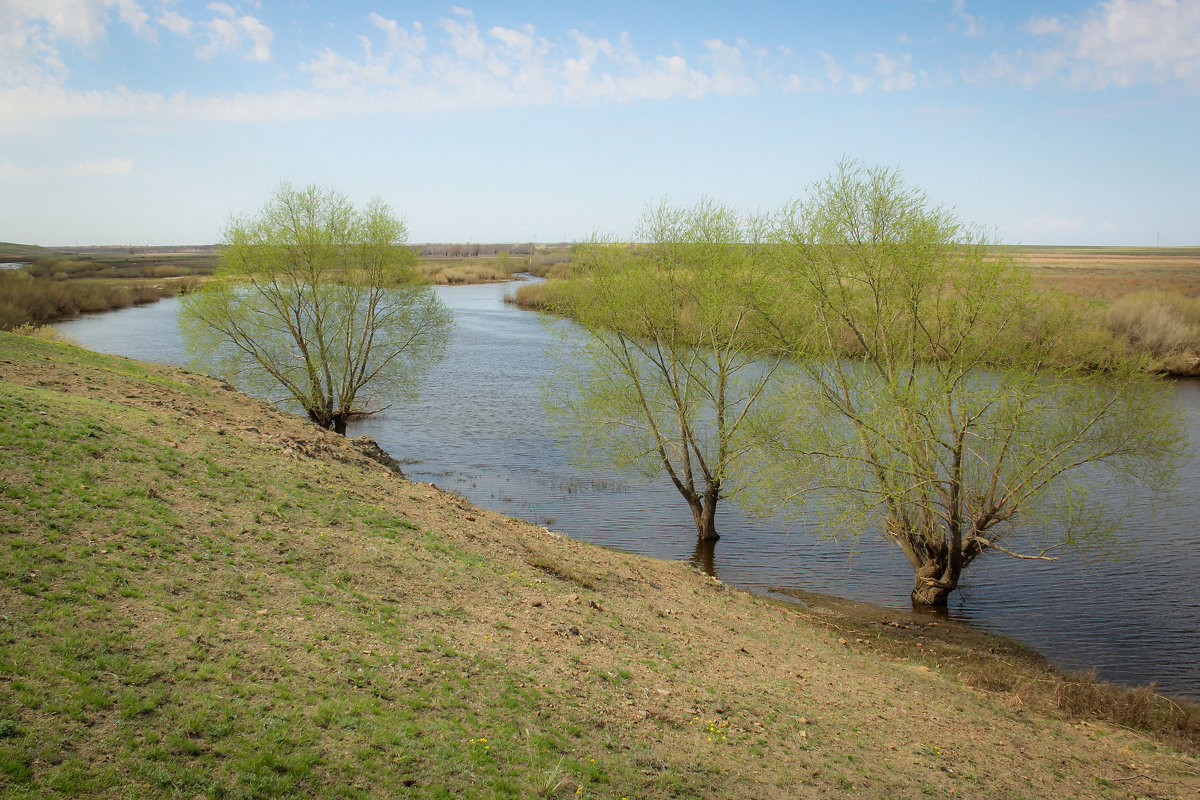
(26, 299)
(531, 296)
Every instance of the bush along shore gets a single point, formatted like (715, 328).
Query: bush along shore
(1146, 299)
(205, 597)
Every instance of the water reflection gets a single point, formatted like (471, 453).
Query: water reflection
(704, 557)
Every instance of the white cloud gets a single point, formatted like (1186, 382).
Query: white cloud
(1132, 40)
(833, 70)
(890, 75)
(455, 64)
(729, 70)
(464, 35)
(175, 22)
(967, 23)
(98, 167)
(226, 32)
(133, 15)
(518, 66)
(1116, 43)
(31, 30)
(1043, 26)
(403, 45)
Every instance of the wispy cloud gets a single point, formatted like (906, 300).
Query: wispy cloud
(890, 75)
(33, 31)
(968, 24)
(230, 32)
(1119, 43)
(405, 67)
(102, 167)
(518, 66)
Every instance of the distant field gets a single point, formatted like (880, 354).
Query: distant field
(1100, 272)
(10, 251)
(1110, 272)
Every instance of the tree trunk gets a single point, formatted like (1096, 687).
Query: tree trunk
(933, 582)
(339, 423)
(704, 512)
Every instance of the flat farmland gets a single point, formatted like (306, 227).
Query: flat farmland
(1109, 272)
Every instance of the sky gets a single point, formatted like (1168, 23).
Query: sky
(151, 122)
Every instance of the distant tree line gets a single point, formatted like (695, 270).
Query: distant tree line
(469, 250)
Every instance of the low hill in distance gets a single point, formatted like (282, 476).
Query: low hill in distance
(205, 597)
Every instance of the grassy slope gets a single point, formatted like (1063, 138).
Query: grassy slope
(11, 251)
(204, 597)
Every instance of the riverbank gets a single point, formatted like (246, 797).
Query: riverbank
(59, 285)
(205, 595)
(1147, 298)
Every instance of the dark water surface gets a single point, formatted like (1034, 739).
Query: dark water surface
(479, 430)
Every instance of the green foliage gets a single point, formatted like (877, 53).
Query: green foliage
(936, 396)
(661, 379)
(318, 299)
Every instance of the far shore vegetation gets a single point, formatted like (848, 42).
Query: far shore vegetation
(1149, 296)
(55, 284)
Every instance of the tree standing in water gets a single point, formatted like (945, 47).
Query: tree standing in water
(938, 396)
(319, 300)
(658, 375)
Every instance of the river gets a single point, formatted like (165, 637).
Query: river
(479, 430)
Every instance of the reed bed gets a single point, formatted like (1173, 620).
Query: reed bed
(26, 300)
(1161, 322)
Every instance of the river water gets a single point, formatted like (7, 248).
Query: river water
(479, 430)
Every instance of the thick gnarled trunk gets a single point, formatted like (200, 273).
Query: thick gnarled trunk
(937, 563)
(933, 582)
(330, 422)
(936, 570)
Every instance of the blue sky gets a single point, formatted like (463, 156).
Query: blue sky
(151, 121)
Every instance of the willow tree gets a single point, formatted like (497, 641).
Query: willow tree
(316, 303)
(938, 396)
(656, 377)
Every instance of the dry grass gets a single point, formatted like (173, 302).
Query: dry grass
(124, 265)
(1109, 273)
(27, 300)
(1004, 667)
(461, 271)
(1162, 322)
(531, 296)
(552, 262)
